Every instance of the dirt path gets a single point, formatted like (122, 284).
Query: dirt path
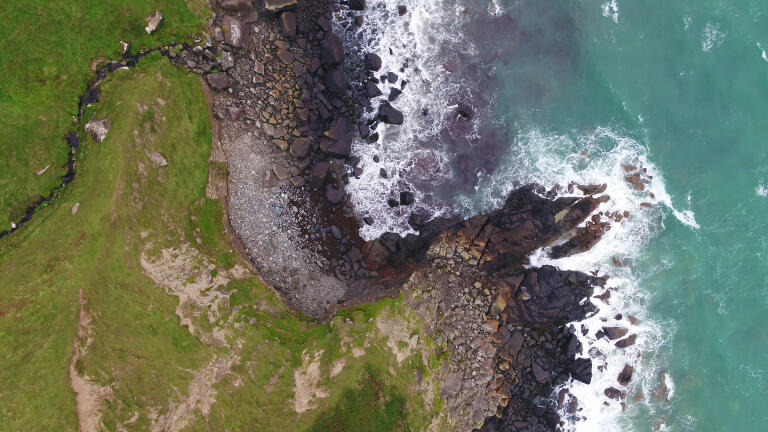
(88, 394)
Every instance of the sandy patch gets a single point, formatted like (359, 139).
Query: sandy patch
(397, 333)
(201, 396)
(337, 367)
(307, 378)
(88, 394)
(185, 273)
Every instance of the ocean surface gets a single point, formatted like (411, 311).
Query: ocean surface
(579, 91)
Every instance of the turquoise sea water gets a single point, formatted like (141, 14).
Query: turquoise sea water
(571, 91)
(688, 82)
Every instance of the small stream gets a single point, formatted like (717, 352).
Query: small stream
(89, 97)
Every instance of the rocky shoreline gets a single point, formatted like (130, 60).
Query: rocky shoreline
(289, 104)
(292, 104)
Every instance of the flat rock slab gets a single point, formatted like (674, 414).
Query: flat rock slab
(276, 6)
(153, 21)
(236, 5)
(98, 129)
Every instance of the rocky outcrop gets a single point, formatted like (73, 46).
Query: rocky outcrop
(291, 113)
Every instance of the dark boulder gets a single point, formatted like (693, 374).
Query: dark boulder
(332, 50)
(337, 142)
(614, 333)
(388, 114)
(372, 62)
(333, 195)
(372, 90)
(394, 94)
(300, 148)
(614, 393)
(218, 81)
(236, 34)
(406, 198)
(581, 370)
(402, 9)
(541, 375)
(625, 376)
(464, 110)
(318, 174)
(357, 5)
(336, 81)
(392, 202)
(288, 25)
(236, 5)
(628, 342)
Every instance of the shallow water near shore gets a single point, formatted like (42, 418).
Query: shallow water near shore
(569, 92)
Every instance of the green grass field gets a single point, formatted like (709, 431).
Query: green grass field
(45, 64)
(131, 213)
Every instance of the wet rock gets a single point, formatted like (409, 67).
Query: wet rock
(392, 77)
(464, 110)
(336, 81)
(614, 333)
(388, 114)
(332, 50)
(581, 370)
(402, 10)
(235, 33)
(625, 376)
(98, 129)
(392, 202)
(288, 25)
(372, 62)
(417, 220)
(614, 393)
(153, 21)
(372, 90)
(628, 342)
(337, 142)
(406, 198)
(357, 5)
(276, 6)
(394, 94)
(592, 189)
(383, 173)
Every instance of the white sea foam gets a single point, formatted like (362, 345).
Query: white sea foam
(597, 158)
(763, 54)
(762, 188)
(711, 37)
(611, 10)
(535, 156)
(406, 152)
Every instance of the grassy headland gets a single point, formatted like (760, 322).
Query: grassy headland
(177, 332)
